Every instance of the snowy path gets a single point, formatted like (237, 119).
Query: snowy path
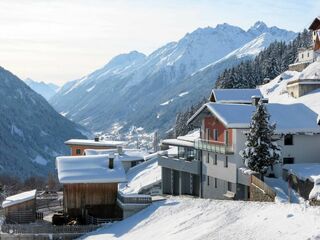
(185, 218)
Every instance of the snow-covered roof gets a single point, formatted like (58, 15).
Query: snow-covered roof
(234, 95)
(304, 171)
(127, 155)
(289, 118)
(89, 169)
(89, 142)
(19, 198)
(183, 141)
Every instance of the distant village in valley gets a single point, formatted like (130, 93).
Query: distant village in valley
(245, 146)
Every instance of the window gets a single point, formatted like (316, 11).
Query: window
(229, 186)
(208, 133)
(226, 137)
(215, 159)
(288, 160)
(215, 134)
(208, 180)
(215, 182)
(78, 151)
(208, 158)
(288, 139)
(226, 162)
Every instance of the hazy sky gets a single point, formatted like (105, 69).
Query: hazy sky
(61, 40)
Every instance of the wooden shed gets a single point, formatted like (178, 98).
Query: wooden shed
(20, 208)
(90, 186)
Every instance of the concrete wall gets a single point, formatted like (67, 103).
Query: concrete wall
(300, 89)
(210, 191)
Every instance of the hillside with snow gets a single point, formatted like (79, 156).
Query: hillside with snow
(46, 90)
(195, 219)
(148, 91)
(32, 133)
(276, 90)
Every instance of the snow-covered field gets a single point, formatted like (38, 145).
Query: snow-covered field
(184, 218)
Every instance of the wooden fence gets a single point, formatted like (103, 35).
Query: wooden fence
(263, 186)
(47, 229)
(94, 221)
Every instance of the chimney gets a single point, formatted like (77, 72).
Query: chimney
(111, 161)
(96, 139)
(255, 100)
(120, 150)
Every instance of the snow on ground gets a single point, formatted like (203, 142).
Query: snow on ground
(185, 218)
(40, 160)
(282, 191)
(142, 175)
(276, 90)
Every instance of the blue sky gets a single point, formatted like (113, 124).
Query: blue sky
(57, 40)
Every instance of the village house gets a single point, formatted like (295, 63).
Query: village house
(128, 157)
(78, 146)
(20, 208)
(222, 137)
(303, 85)
(90, 187)
(180, 169)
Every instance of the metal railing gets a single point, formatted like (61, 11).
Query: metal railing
(94, 220)
(134, 199)
(211, 146)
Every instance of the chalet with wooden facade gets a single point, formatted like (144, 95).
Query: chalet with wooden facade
(20, 208)
(222, 137)
(90, 186)
(78, 146)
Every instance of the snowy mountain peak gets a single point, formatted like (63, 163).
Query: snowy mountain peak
(125, 58)
(47, 90)
(259, 25)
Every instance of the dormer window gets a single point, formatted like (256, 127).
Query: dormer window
(288, 139)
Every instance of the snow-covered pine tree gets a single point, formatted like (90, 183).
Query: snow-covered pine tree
(261, 150)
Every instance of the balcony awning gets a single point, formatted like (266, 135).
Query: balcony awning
(178, 143)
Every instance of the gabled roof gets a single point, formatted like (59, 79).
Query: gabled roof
(290, 118)
(89, 169)
(234, 95)
(183, 141)
(19, 198)
(315, 25)
(89, 142)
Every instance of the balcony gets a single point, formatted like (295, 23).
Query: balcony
(206, 145)
(184, 165)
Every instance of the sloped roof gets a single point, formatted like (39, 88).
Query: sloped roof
(315, 25)
(19, 198)
(289, 118)
(234, 95)
(89, 169)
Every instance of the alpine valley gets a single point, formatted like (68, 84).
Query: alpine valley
(138, 90)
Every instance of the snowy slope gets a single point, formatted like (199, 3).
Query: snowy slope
(158, 83)
(276, 90)
(46, 90)
(144, 174)
(192, 219)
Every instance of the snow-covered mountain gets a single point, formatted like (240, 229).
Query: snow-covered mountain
(276, 90)
(32, 133)
(46, 90)
(148, 91)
